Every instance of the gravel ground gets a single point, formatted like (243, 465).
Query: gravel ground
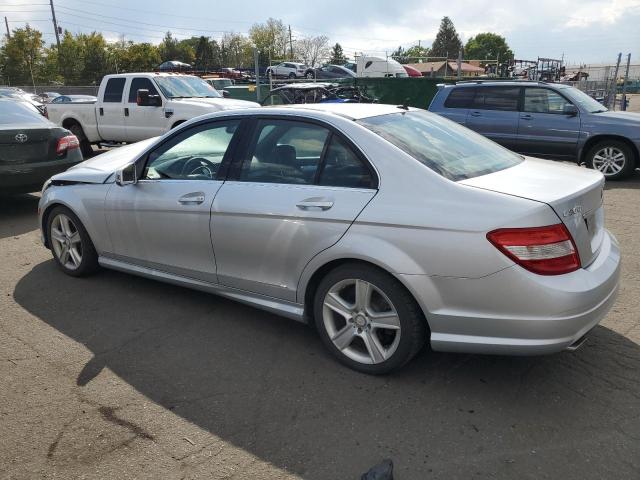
(115, 376)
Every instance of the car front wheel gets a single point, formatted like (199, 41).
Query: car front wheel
(613, 158)
(70, 244)
(367, 319)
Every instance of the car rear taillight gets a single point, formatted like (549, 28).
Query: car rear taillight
(67, 143)
(543, 250)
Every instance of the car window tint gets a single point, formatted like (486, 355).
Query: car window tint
(460, 98)
(497, 98)
(285, 152)
(195, 154)
(141, 84)
(543, 100)
(113, 90)
(343, 168)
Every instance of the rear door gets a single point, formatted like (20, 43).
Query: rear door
(295, 192)
(110, 111)
(456, 105)
(544, 129)
(494, 114)
(143, 121)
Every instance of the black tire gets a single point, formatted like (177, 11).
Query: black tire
(89, 262)
(628, 164)
(292, 75)
(85, 146)
(413, 326)
(310, 75)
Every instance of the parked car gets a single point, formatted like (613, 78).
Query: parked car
(46, 97)
(384, 226)
(32, 149)
(329, 71)
(316, 92)
(220, 84)
(546, 120)
(22, 96)
(412, 72)
(174, 66)
(135, 106)
(74, 99)
(287, 70)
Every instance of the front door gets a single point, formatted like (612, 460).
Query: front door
(298, 190)
(494, 114)
(143, 121)
(544, 129)
(110, 113)
(162, 221)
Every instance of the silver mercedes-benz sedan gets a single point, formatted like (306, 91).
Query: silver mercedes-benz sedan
(383, 226)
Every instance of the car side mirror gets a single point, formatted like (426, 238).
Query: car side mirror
(144, 99)
(127, 175)
(570, 110)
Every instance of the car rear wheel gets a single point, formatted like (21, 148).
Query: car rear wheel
(71, 246)
(292, 75)
(310, 75)
(613, 158)
(367, 319)
(85, 146)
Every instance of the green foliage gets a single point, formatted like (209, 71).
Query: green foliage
(271, 39)
(411, 55)
(22, 55)
(447, 42)
(487, 46)
(337, 55)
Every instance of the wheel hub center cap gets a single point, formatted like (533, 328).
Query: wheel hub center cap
(360, 320)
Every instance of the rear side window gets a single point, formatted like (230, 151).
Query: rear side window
(343, 168)
(497, 98)
(113, 90)
(460, 98)
(140, 84)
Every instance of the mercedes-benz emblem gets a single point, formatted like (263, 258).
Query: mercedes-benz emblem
(21, 138)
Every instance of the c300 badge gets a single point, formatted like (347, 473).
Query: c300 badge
(577, 210)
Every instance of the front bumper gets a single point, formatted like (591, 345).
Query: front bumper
(516, 312)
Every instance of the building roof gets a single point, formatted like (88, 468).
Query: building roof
(427, 67)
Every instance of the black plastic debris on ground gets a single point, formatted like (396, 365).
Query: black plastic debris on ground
(381, 471)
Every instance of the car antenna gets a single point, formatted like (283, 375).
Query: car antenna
(404, 105)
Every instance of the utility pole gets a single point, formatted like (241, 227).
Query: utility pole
(624, 84)
(6, 22)
(55, 25)
(290, 44)
(459, 64)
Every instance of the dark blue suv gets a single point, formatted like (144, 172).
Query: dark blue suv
(545, 120)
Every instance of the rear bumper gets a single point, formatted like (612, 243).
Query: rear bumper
(515, 312)
(29, 177)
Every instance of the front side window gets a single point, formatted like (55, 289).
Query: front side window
(140, 84)
(543, 100)
(444, 146)
(585, 101)
(113, 90)
(497, 98)
(285, 152)
(195, 154)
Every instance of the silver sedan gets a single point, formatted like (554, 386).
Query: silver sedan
(385, 227)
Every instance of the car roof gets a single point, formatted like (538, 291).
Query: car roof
(502, 83)
(353, 111)
(305, 86)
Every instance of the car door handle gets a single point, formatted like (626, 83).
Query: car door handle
(101, 111)
(126, 112)
(475, 114)
(314, 205)
(195, 198)
(526, 117)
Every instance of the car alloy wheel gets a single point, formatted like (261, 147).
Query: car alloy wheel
(310, 76)
(361, 321)
(609, 160)
(66, 241)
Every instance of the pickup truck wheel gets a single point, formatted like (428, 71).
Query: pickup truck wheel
(85, 146)
(613, 158)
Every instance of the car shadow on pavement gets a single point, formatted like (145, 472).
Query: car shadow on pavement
(18, 214)
(266, 384)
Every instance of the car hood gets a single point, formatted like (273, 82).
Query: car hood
(207, 104)
(99, 168)
(625, 117)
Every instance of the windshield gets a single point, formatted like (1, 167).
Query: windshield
(185, 87)
(19, 112)
(449, 149)
(584, 100)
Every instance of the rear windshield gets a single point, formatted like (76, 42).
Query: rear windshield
(19, 112)
(447, 148)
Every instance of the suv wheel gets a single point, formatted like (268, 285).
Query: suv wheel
(292, 75)
(71, 246)
(367, 319)
(613, 158)
(310, 75)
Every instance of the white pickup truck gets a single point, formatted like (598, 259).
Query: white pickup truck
(136, 106)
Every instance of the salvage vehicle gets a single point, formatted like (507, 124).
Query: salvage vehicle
(385, 227)
(546, 120)
(135, 106)
(316, 92)
(329, 71)
(287, 70)
(32, 149)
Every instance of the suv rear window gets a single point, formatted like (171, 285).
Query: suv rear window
(497, 98)
(461, 97)
(444, 146)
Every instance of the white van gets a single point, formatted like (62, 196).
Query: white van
(379, 67)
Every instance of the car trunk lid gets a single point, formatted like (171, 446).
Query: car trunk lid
(24, 145)
(574, 193)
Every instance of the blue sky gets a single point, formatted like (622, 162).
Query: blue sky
(589, 31)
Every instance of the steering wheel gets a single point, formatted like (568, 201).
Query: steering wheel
(199, 166)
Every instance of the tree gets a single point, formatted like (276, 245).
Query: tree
(168, 48)
(140, 57)
(337, 55)
(410, 55)
(94, 58)
(22, 56)
(447, 43)
(313, 50)
(271, 39)
(488, 46)
(203, 54)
